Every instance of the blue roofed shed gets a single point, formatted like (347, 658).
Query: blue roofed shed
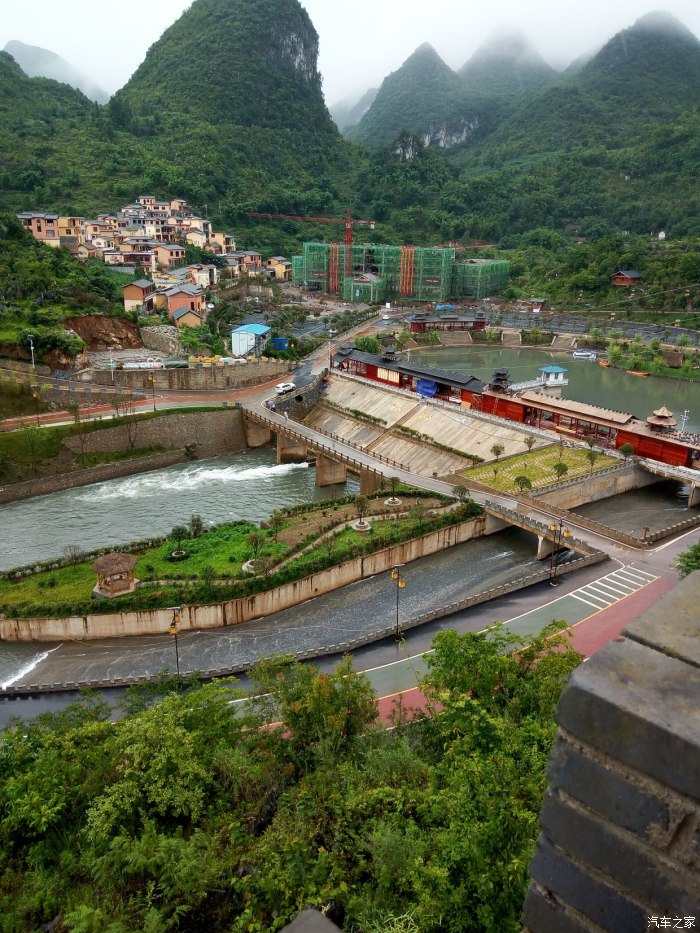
(249, 339)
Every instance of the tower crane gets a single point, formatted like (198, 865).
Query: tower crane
(349, 224)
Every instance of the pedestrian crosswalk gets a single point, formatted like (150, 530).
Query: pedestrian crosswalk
(613, 587)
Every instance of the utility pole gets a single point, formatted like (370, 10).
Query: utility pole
(173, 632)
(400, 585)
(559, 533)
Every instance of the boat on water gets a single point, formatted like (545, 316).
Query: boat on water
(584, 355)
(603, 363)
(635, 372)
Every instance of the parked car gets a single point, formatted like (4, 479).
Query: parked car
(283, 387)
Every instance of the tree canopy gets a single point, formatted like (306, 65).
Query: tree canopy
(189, 813)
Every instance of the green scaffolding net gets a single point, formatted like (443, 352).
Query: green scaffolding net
(479, 277)
(377, 272)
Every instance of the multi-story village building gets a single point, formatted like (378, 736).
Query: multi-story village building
(152, 235)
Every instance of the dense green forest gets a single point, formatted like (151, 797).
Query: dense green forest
(232, 118)
(40, 287)
(186, 815)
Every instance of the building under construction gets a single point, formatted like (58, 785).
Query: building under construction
(380, 273)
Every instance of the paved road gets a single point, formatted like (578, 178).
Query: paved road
(598, 601)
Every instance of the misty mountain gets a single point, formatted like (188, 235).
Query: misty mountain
(445, 108)
(505, 68)
(646, 73)
(349, 111)
(41, 63)
(423, 96)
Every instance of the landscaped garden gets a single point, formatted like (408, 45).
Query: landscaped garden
(537, 469)
(194, 564)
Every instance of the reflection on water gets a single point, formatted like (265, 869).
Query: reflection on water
(654, 507)
(588, 382)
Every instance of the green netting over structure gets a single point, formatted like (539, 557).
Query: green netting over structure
(422, 273)
(479, 277)
(365, 287)
(432, 277)
(297, 270)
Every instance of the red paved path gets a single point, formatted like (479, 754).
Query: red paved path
(590, 635)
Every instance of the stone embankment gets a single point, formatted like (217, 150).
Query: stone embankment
(205, 433)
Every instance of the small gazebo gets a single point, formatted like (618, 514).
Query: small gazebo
(662, 420)
(115, 574)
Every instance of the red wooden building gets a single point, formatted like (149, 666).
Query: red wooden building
(626, 277)
(655, 438)
(422, 323)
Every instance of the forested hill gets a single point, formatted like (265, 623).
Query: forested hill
(225, 111)
(643, 75)
(250, 63)
(507, 67)
(425, 96)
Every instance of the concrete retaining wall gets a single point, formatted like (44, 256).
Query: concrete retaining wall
(198, 377)
(98, 474)
(602, 485)
(619, 847)
(193, 618)
(213, 433)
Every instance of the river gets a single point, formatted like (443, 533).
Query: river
(588, 382)
(246, 485)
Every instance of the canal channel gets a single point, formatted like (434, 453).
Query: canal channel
(250, 485)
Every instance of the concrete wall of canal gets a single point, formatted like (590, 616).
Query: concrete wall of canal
(194, 618)
(212, 434)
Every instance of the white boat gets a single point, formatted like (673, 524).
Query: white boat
(584, 355)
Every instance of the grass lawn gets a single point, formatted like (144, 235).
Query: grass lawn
(219, 553)
(538, 466)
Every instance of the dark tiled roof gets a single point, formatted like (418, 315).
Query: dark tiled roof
(448, 376)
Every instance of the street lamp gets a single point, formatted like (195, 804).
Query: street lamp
(173, 632)
(400, 585)
(152, 380)
(30, 338)
(112, 364)
(35, 396)
(560, 533)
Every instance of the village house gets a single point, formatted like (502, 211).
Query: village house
(185, 317)
(139, 296)
(169, 255)
(627, 277)
(87, 251)
(222, 243)
(250, 261)
(43, 227)
(186, 296)
(204, 276)
(195, 237)
(281, 267)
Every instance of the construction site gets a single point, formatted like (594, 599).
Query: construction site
(373, 273)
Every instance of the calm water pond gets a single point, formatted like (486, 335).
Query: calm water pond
(588, 382)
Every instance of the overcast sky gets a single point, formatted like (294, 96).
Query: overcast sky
(361, 41)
